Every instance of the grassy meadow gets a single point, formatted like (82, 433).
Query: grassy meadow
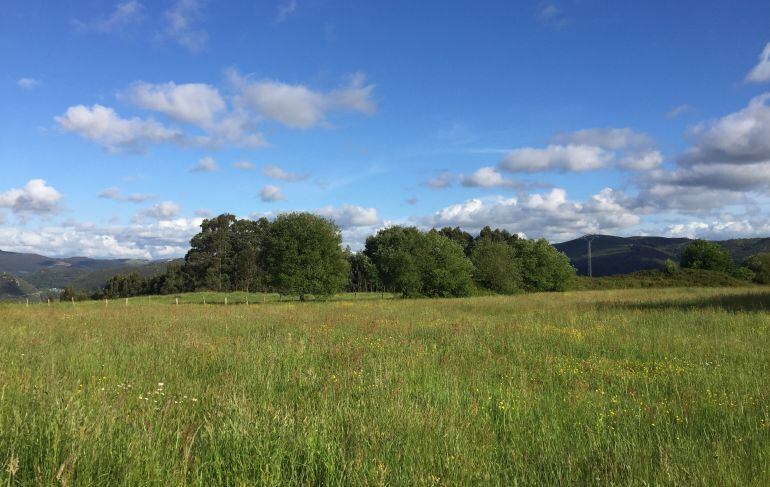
(642, 387)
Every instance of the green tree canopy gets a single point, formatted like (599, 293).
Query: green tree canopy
(710, 256)
(446, 271)
(303, 254)
(396, 252)
(420, 264)
(210, 256)
(760, 265)
(544, 268)
(460, 236)
(497, 267)
(363, 273)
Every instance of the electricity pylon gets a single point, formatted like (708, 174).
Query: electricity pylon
(589, 239)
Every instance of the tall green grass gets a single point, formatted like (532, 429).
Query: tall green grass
(664, 386)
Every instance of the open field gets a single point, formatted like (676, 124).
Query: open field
(652, 386)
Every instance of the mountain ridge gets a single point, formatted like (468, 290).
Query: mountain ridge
(613, 255)
(30, 273)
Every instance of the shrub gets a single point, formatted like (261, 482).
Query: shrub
(708, 256)
(743, 273)
(670, 267)
(759, 264)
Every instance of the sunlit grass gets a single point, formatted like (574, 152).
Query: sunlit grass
(646, 386)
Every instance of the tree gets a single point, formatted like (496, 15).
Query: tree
(446, 271)
(363, 273)
(210, 256)
(246, 240)
(395, 252)
(173, 281)
(497, 235)
(303, 254)
(709, 256)
(497, 267)
(543, 267)
(123, 286)
(760, 265)
(420, 264)
(69, 294)
(460, 236)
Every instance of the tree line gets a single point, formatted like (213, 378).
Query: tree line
(302, 254)
(710, 256)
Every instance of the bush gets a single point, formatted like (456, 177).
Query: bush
(670, 267)
(708, 256)
(743, 273)
(70, 294)
(759, 264)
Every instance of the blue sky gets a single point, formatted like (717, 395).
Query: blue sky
(126, 122)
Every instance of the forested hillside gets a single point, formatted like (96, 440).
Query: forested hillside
(622, 255)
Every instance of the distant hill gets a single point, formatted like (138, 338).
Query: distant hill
(623, 255)
(82, 273)
(23, 264)
(14, 287)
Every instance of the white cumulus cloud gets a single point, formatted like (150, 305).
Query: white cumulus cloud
(296, 105)
(551, 215)
(205, 164)
(440, 181)
(349, 216)
(486, 177)
(271, 193)
(34, 198)
(761, 72)
(195, 103)
(276, 172)
(103, 126)
(155, 240)
(556, 158)
(165, 210)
